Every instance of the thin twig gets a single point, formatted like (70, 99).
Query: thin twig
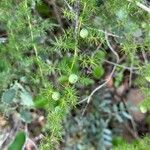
(115, 64)
(83, 100)
(144, 56)
(131, 74)
(32, 38)
(132, 120)
(28, 139)
(121, 66)
(32, 142)
(77, 18)
(39, 137)
(4, 139)
(110, 76)
(11, 135)
(71, 9)
(142, 6)
(76, 28)
(134, 134)
(102, 31)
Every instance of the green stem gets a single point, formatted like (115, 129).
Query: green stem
(32, 37)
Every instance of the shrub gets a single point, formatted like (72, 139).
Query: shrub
(47, 57)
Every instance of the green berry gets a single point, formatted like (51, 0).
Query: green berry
(147, 78)
(84, 33)
(143, 24)
(57, 109)
(73, 78)
(56, 96)
(143, 109)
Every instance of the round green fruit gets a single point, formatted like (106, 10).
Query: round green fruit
(73, 78)
(143, 109)
(56, 96)
(84, 33)
(147, 78)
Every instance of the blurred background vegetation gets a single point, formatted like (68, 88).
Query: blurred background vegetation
(74, 74)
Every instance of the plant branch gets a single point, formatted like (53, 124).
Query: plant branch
(76, 28)
(121, 66)
(110, 76)
(71, 9)
(28, 139)
(102, 31)
(142, 6)
(32, 37)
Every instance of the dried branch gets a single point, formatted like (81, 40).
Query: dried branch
(142, 6)
(110, 76)
(77, 8)
(121, 66)
(28, 139)
(102, 31)
(71, 9)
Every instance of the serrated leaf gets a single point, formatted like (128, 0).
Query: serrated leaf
(107, 109)
(121, 106)
(26, 99)
(26, 116)
(118, 117)
(107, 131)
(18, 142)
(126, 115)
(115, 108)
(107, 137)
(8, 96)
(104, 103)
(108, 143)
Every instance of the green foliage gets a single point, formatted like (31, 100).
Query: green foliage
(84, 33)
(26, 115)
(91, 130)
(18, 100)
(142, 144)
(18, 142)
(119, 77)
(73, 78)
(42, 57)
(144, 83)
(97, 72)
(8, 96)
